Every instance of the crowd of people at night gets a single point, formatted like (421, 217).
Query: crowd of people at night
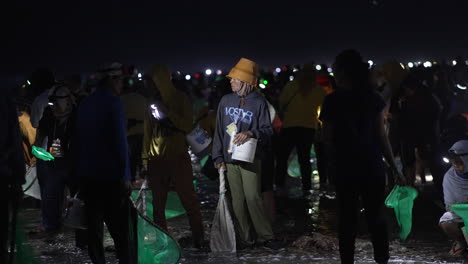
(371, 125)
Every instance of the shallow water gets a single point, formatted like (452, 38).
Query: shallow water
(297, 221)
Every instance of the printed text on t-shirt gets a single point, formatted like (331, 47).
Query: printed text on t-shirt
(239, 115)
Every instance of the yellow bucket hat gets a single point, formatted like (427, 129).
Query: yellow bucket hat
(246, 71)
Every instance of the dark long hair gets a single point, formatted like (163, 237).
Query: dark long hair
(356, 78)
(354, 71)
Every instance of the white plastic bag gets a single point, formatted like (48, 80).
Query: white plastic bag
(31, 187)
(75, 216)
(223, 234)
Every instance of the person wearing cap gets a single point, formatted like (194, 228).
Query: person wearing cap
(455, 186)
(299, 102)
(54, 133)
(42, 80)
(167, 121)
(101, 163)
(242, 115)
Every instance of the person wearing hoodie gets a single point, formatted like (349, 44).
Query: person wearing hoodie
(299, 101)
(167, 120)
(455, 185)
(242, 115)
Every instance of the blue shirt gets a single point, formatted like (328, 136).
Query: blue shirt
(101, 151)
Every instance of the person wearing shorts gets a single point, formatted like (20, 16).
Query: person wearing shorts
(455, 187)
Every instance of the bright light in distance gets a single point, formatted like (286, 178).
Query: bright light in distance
(454, 62)
(219, 72)
(139, 75)
(411, 65)
(330, 70)
(262, 86)
(427, 64)
(446, 160)
(295, 69)
(188, 77)
(291, 78)
(461, 87)
(50, 103)
(208, 72)
(466, 62)
(402, 66)
(318, 67)
(29, 83)
(278, 70)
(331, 74)
(370, 63)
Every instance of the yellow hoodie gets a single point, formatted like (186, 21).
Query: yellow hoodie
(301, 110)
(160, 145)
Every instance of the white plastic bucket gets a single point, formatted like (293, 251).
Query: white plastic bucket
(199, 140)
(246, 151)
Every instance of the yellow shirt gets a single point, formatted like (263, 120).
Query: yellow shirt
(301, 110)
(135, 108)
(158, 141)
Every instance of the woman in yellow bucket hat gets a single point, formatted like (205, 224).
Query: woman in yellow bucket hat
(243, 115)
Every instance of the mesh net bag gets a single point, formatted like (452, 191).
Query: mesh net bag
(155, 246)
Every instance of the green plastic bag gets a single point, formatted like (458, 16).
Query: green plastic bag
(401, 199)
(42, 154)
(294, 168)
(174, 207)
(155, 246)
(461, 210)
(204, 160)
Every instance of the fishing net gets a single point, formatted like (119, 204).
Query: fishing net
(24, 252)
(155, 246)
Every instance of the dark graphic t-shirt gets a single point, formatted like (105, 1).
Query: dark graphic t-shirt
(253, 116)
(355, 131)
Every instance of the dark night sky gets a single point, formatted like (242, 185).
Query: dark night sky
(78, 36)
